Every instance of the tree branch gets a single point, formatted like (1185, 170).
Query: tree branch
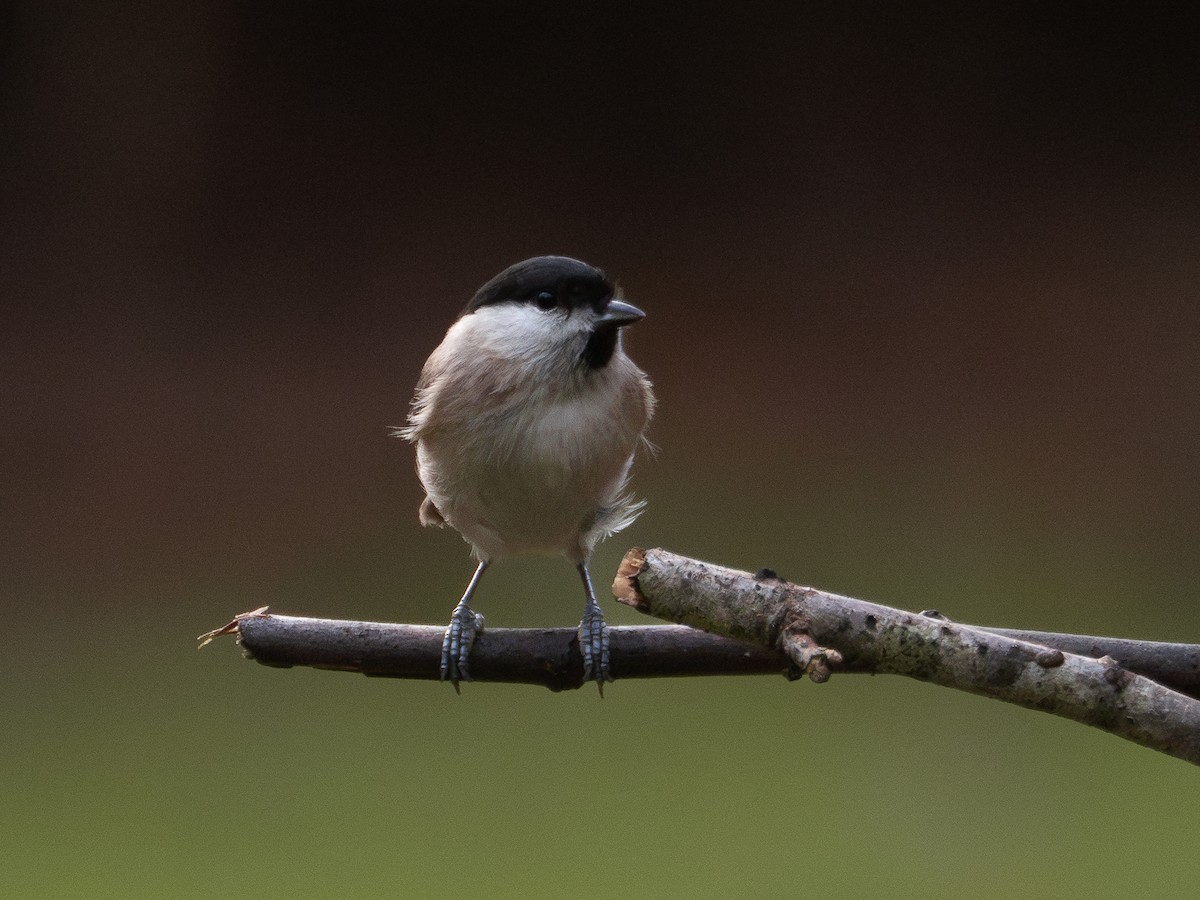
(822, 632)
(544, 656)
(1176, 666)
(772, 627)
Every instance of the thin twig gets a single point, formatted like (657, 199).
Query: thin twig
(544, 656)
(822, 633)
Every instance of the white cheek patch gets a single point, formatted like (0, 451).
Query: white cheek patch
(522, 331)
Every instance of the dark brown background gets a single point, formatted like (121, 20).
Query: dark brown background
(923, 321)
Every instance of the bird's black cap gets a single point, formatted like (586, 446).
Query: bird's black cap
(547, 281)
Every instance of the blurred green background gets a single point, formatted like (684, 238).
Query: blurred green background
(923, 321)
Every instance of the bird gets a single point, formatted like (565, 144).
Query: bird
(526, 420)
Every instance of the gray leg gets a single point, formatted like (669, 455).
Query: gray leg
(465, 624)
(593, 636)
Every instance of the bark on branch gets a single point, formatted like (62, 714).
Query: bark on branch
(822, 633)
(759, 624)
(544, 656)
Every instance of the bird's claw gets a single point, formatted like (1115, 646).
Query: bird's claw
(593, 644)
(465, 624)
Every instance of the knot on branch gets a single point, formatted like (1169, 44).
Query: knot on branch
(1050, 658)
(806, 655)
(1115, 674)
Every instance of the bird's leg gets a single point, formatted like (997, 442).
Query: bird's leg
(465, 624)
(593, 635)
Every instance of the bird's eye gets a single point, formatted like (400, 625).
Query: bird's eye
(546, 300)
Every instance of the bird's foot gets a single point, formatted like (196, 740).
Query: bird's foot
(465, 624)
(593, 644)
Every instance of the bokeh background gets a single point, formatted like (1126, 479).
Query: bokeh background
(923, 321)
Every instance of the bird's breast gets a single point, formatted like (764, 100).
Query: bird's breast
(529, 477)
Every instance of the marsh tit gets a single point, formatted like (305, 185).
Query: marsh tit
(525, 420)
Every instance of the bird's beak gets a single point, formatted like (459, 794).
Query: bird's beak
(618, 313)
